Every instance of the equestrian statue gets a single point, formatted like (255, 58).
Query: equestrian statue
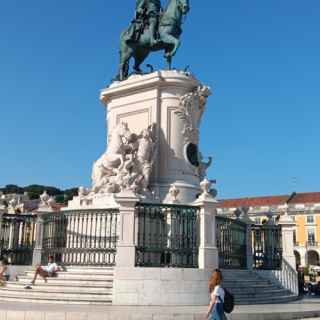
(152, 29)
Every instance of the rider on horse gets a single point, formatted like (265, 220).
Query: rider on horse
(147, 14)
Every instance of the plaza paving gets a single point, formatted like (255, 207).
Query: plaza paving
(304, 309)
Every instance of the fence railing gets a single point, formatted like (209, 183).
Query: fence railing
(231, 243)
(312, 244)
(167, 236)
(287, 277)
(17, 238)
(81, 237)
(267, 247)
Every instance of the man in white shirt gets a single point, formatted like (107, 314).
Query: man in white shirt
(46, 271)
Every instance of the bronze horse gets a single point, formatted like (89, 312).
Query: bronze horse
(169, 30)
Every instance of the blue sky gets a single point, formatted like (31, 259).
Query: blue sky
(261, 58)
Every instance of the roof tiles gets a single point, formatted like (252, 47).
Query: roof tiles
(301, 198)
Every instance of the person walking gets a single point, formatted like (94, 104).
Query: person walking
(301, 282)
(217, 294)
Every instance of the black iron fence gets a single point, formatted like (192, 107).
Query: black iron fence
(167, 236)
(267, 247)
(231, 243)
(17, 238)
(81, 237)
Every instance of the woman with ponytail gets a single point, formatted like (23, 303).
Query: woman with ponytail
(215, 310)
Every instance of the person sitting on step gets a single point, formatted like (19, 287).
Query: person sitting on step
(49, 270)
(3, 272)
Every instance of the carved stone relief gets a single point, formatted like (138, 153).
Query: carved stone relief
(190, 111)
(127, 163)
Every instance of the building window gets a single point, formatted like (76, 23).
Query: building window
(295, 237)
(311, 238)
(310, 219)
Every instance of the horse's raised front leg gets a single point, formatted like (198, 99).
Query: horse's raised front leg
(171, 42)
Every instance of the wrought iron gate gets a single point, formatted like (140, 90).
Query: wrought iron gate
(17, 238)
(81, 237)
(231, 243)
(167, 236)
(267, 249)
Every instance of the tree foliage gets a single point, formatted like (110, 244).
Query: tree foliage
(34, 191)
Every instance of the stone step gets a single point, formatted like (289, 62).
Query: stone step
(67, 280)
(45, 294)
(64, 283)
(266, 290)
(64, 274)
(74, 285)
(245, 283)
(89, 269)
(56, 300)
(262, 295)
(236, 271)
(250, 288)
(61, 288)
(270, 300)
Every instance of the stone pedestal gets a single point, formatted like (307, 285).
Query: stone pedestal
(160, 286)
(38, 248)
(208, 252)
(287, 227)
(125, 257)
(174, 101)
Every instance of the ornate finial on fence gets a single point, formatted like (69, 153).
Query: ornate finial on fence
(46, 202)
(284, 217)
(244, 214)
(270, 220)
(205, 186)
(174, 192)
(3, 203)
(237, 213)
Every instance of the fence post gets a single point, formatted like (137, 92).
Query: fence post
(1, 233)
(244, 217)
(208, 251)
(37, 251)
(1, 219)
(125, 256)
(287, 230)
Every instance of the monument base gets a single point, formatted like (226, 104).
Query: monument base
(160, 286)
(97, 201)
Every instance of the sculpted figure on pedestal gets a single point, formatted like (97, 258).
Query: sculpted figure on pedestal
(12, 205)
(192, 106)
(145, 155)
(152, 30)
(131, 166)
(3, 201)
(106, 166)
(147, 14)
(46, 201)
(190, 111)
(203, 167)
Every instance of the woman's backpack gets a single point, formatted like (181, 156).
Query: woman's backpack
(228, 304)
